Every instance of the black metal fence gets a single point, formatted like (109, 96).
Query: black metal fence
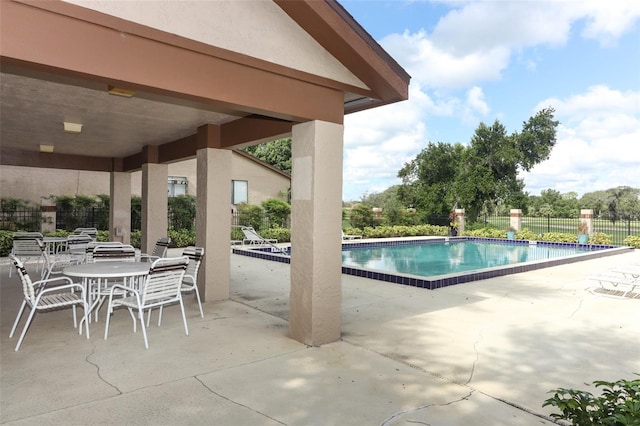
(30, 219)
(21, 219)
(89, 217)
(618, 230)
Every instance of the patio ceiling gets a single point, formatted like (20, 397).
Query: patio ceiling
(34, 107)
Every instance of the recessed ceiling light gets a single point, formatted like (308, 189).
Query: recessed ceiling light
(119, 91)
(72, 127)
(46, 148)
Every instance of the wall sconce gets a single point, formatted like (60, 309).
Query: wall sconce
(72, 127)
(46, 148)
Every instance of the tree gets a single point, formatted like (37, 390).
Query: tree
(428, 180)
(277, 211)
(276, 153)
(483, 173)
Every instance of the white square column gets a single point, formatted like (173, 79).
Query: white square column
(316, 242)
(213, 222)
(120, 207)
(154, 205)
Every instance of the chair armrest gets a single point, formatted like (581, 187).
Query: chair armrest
(125, 288)
(43, 283)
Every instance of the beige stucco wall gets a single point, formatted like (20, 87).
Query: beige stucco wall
(31, 184)
(243, 30)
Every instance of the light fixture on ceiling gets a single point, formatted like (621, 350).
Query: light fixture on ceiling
(46, 148)
(72, 127)
(119, 91)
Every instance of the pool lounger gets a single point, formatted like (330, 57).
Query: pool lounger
(617, 280)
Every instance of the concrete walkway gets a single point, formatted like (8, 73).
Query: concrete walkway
(483, 353)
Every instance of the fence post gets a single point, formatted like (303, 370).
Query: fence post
(48, 208)
(515, 219)
(460, 219)
(586, 216)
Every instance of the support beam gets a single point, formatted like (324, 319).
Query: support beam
(316, 220)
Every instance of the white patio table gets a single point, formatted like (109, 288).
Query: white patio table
(92, 274)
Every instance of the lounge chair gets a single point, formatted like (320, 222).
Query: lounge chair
(618, 280)
(251, 237)
(351, 237)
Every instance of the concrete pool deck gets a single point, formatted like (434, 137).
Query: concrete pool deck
(481, 353)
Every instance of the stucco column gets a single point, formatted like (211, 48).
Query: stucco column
(459, 213)
(586, 216)
(316, 222)
(515, 219)
(213, 222)
(48, 208)
(120, 207)
(154, 205)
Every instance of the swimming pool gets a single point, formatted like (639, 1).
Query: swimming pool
(440, 262)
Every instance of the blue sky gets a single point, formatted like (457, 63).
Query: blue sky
(478, 61)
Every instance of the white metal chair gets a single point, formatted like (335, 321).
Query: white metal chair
(110, 253)
(28, 246)
(190, 281)
(251, 237)
(77, 244)
(159, 250)
(161, 287)
(40, 298)
(91, 232)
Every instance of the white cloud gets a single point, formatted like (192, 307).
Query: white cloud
(597, 143)
(474, 44)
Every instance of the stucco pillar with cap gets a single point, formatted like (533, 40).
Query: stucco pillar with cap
(213, 222)
(316, 242)
(154, 205)
(120, 207)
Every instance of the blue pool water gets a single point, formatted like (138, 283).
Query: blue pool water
(440, 262)
(429, 259)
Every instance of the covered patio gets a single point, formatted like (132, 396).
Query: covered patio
(483, 353)
(141, 85)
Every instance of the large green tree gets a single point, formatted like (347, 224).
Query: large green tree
(445, 176)
(277, 153)
(428, 179)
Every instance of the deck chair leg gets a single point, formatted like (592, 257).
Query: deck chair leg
(184, 318)
(106, 325)
(25, 328)
(160, 316)
(135, 320)
(144, 330)
(199, 302)
(15, 323)
(86, 321)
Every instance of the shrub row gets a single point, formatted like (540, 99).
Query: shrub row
(184, 238)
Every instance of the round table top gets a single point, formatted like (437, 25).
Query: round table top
(107, 269)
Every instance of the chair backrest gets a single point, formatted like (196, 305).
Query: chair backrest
(160, 249)
(78, 241)
(195, 255)
(27, 245)
(251, 234)
(164, 279)
(27, 284)
(114, 253)
(91, 232)
(93, 244)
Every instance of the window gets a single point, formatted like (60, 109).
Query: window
(239, 191)
(176, 185)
